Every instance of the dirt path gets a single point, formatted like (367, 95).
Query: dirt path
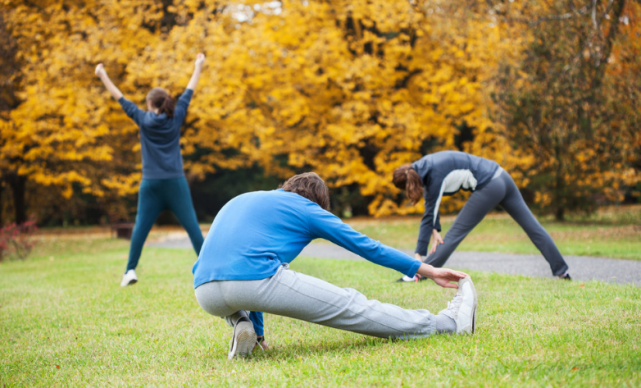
(581, 267)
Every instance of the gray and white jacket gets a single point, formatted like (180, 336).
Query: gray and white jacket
(445, 173)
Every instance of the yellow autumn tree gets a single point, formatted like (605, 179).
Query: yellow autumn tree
(348, 89)
(64, 132)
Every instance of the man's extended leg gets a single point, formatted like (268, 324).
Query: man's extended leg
(514, 204)
(477, 206)
(303, 297)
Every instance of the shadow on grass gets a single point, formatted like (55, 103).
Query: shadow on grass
(310, 348)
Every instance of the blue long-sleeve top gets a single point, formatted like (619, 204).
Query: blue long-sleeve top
(255, 233)
(160, 138)
(445, 173)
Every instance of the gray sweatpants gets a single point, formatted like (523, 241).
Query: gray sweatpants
(499, 191)
(295, 295)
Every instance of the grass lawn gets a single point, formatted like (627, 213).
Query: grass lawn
(65, 321)
(612, 232)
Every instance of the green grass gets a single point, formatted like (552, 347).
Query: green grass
(64, 321)
(612, 232)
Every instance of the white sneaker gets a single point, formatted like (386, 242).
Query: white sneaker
(462, 309)
(129, 278)
(243, 341)
(407, 279)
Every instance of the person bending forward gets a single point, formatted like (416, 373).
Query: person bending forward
(243, 270)
(445, 173)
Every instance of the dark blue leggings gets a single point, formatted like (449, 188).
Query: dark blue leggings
(156, 195)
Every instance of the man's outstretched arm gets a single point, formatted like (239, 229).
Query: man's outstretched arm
(325, 225)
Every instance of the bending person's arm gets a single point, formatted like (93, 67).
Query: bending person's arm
(323, 224)
(113, 90)
(431, 219)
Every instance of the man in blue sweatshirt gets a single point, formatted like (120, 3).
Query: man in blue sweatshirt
(243, 270)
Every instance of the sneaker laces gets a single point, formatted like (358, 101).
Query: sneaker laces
(259, 340)
(455, 303)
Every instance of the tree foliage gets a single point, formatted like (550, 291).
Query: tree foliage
(572, 102)
(349, 89)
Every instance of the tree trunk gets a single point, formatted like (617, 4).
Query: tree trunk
(18, 183)
(560, 213)
(1, 210)
(559, 187)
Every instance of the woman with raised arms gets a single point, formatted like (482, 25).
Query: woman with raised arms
(163, 185)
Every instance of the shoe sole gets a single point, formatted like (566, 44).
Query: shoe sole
(243, 341)
(475, 305)
(132, 281)
(468, 279)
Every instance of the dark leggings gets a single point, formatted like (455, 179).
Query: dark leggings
(499, 191)
(155, 196)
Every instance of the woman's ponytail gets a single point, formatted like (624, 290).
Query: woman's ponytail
(405, 178)
(161, 100)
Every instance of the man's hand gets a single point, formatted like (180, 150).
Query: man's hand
(100, 70)
(200, 60)
(436, 240)
(444, 276)
(441, 276)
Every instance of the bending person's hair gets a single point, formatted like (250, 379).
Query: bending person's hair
(161, 100)
(310, 186)
(405, 178)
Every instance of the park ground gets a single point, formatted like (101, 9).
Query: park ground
(65, 321)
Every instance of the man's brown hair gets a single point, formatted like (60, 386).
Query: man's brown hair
(310, 186)
(405, 178)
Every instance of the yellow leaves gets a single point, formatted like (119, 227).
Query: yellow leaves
(350, 90)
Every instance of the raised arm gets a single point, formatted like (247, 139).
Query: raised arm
(102, 74)
(198, 66)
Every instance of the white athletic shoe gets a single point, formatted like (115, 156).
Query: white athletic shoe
(407, 279)
(243, 341)
(462, 309)
(129, 278)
